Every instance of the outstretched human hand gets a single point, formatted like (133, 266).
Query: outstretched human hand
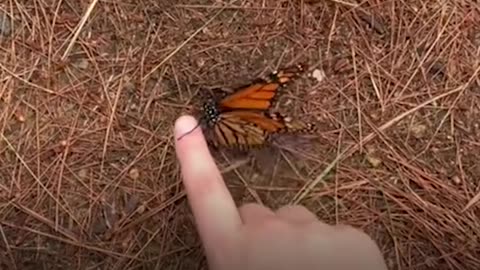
(254, 237)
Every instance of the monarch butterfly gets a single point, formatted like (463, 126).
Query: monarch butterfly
(243, 119)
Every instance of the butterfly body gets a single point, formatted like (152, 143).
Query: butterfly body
(244, 119)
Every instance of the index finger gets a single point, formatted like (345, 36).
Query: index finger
(213, 207)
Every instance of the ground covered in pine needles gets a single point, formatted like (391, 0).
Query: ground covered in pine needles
(89, 92)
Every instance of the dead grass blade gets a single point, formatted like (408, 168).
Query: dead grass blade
(79, 29)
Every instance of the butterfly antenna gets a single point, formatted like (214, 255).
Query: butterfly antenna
(188, 132)
(200, 122)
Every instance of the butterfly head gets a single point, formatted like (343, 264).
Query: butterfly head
(210, 116)
(211, 112)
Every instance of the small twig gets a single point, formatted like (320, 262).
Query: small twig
(229, 7)
(80, 26)
(357, 95)
(345, 3)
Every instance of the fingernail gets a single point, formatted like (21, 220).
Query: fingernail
(184, 125)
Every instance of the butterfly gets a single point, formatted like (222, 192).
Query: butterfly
(244, 118)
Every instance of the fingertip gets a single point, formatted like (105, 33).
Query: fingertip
(184, 124)
(189, 140)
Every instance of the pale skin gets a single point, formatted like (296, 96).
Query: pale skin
(255, 237)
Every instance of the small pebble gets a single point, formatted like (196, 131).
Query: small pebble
(373, 160)
(134, 174)
(318, 74)
(418, 130)
(21, 118)
(456, 180)
(372, 157)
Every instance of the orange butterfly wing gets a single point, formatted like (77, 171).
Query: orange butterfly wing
(260, 94)
(257, 96)
(265, 123)
(244, 129)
